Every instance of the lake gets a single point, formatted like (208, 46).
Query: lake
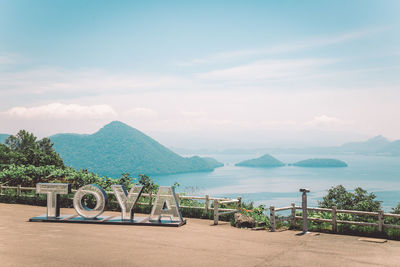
(280, 186)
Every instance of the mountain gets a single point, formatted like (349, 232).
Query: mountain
(320, 163)
(3, 137)
(392, 148)
(372, 145)
(266, 161)
(117, 148)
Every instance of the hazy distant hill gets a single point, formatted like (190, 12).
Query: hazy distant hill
(373, 145)
(266, 161)
(3, 137)
(378, 145)
(392, 148)
(119, 148)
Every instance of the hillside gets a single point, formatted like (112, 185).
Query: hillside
(119, 148)
(320, 163)
(266, 161)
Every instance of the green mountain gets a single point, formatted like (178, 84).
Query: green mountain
(119, 148)
(266, 161)
(320, 163)
(3, 137)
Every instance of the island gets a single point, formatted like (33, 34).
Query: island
(118, 148)
(320, 163)
(266, 161)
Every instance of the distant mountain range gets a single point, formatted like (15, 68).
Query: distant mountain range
(377, 145)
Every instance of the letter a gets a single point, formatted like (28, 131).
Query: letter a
(166, 205)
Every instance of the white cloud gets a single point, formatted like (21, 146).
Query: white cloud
(141, 113)
(282, 48)
(86, 81)
(267, 70)
(10, 58)
(64, 111)
(324, 121)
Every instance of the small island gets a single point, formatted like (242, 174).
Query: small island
(266, 161)
(320, 163)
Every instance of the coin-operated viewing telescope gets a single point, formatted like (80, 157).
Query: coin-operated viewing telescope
(304, 207)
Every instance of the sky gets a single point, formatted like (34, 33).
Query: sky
(203, 74)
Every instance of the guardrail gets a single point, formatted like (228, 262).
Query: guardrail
(334, 221)
(216, 202)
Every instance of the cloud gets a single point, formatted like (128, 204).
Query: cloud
(324, 121)
(10, 58)
(282, 48)
(61, 111)
(141, 113)
(43, 81)
(267, 70)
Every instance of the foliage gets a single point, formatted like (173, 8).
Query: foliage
(396, 210)
(25, 149)
(359, 200)
(257, 213)
(149, 184)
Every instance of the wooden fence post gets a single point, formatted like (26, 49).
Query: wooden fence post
(151, 198)
(272, 217)
(239, 205)
(380, 220)
(1, 188)
(293, 215)
(18, 190)
(334, 223)
(207, 204)
(216, 215)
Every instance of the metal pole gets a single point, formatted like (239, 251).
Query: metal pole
(304, 207)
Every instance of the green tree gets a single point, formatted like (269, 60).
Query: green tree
(360, 199)
(25, 149)
(396, 209)
(148, 183)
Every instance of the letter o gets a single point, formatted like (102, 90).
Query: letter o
(82, 209)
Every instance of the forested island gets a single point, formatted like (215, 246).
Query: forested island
(266, 161)
(117, 148)
(320, 163)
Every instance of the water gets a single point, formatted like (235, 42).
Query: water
(280, 186)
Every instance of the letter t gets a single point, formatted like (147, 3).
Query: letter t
(53, 192)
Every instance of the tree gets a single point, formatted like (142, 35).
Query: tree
(148, 183)
(25, 149)
(396, 209)
(359, 200)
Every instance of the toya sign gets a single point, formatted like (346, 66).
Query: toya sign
(165, 210)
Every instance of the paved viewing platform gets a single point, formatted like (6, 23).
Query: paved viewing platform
(198, 243)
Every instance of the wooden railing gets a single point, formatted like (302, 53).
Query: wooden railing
(334, 221)
(216, 202)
